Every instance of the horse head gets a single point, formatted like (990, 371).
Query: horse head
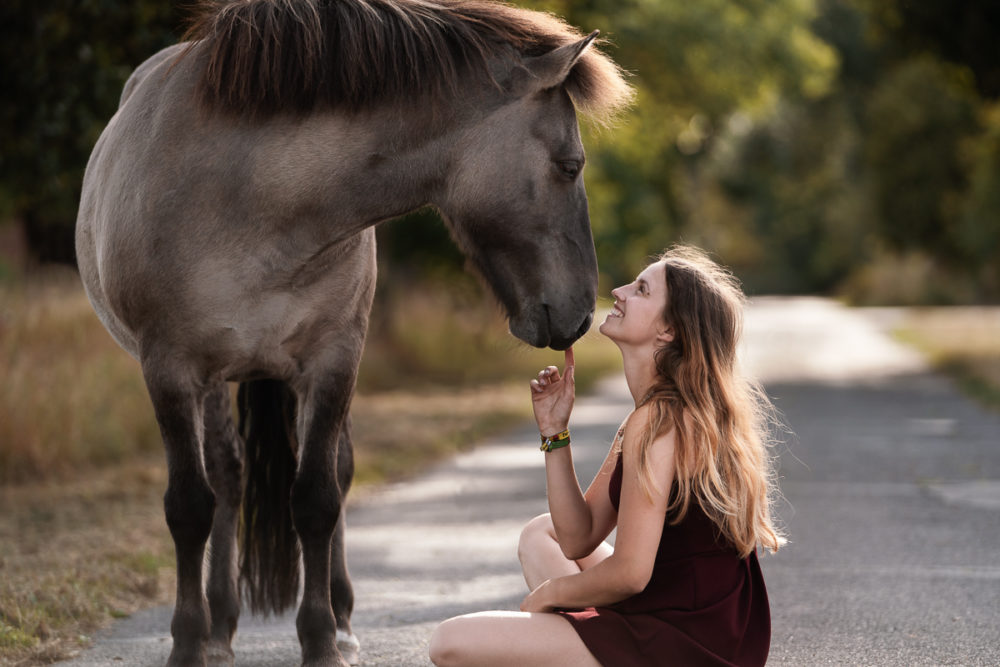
(516, 202)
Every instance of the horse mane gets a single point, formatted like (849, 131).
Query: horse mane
(271, 56)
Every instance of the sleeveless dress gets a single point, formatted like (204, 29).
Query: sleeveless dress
(703, 606)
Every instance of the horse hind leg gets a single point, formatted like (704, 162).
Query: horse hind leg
(189, 503)
(341, 590)
(224, 463)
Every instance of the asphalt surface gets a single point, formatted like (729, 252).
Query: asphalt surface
(891, 484)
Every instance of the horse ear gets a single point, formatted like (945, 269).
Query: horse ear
(550, 70)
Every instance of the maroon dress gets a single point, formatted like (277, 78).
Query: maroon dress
(704, 605)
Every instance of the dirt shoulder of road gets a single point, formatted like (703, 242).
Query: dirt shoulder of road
(962, 342)
(77, 554)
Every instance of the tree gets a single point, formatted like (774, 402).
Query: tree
(962, 32)
(896, 160)
(919, 117)
(694, 65)
(64, 64)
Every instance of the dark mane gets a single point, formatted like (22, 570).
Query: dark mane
(269, 56)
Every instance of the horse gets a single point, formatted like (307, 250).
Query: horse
(226, 234)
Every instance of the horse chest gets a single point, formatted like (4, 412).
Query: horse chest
(259, 324)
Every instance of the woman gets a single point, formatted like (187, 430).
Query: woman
(687, 483)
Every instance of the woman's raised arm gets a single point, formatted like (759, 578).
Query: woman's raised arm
(581, 522)
(640, 525)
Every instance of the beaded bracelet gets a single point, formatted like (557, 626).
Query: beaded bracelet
(550, 442)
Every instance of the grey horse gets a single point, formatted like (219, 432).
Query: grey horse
(226, 234)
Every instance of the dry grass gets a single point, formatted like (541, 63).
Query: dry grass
(69, 395)
(396, 433)
(74, 555)
(962, 341)
(82, 534)
(437, 335)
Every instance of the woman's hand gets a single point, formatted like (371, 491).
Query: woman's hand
(537, 600)
(552, 397)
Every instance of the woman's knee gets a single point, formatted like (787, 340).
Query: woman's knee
(446, 643)
(537, 531)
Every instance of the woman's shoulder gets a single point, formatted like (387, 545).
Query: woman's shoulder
(637, 428)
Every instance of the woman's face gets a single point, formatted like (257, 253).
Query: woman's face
(636, 318)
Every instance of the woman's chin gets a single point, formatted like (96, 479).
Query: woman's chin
(605, 329)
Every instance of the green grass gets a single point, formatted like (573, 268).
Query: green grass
(15, 638)
(986, 391)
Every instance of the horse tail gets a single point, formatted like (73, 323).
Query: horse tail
(269, 568)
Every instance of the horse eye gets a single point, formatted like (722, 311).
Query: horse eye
(569, 168)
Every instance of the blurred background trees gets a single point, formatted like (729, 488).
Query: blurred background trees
(64, 63)
(845, 147)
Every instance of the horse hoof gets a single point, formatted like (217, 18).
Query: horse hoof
(220, 654)
(181, 659)
(349, 647)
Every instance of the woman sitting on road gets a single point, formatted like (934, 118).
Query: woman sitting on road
(687, 483)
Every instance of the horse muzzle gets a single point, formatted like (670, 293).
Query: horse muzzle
(538, 328)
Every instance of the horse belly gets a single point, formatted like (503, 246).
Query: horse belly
(113, 248)
(92, 243)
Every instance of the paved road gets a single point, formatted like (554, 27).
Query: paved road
(892, 502)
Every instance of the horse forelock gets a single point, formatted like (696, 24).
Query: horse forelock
(270, 56)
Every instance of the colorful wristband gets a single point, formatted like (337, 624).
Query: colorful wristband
(550, 442)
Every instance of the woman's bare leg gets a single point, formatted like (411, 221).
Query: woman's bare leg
(542, 559)
(509, 638)
(518, 638)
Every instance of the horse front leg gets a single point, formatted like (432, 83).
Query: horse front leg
(224, 463)
(189, 504)
(317, 502)
(341, 590)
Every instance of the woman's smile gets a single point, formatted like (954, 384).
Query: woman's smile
(641, 302)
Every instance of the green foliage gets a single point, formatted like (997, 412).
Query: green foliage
(921, 113)
(792, 176)
(11, 637)
(978, 231)
(64, 65)
(886, 179)
(694, 65)
(963, 32)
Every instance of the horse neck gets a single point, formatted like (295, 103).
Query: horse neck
(330, 173)
(383, 164)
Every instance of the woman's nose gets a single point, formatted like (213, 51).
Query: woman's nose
(618, 293)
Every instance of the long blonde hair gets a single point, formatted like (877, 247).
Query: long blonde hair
(722, 419)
